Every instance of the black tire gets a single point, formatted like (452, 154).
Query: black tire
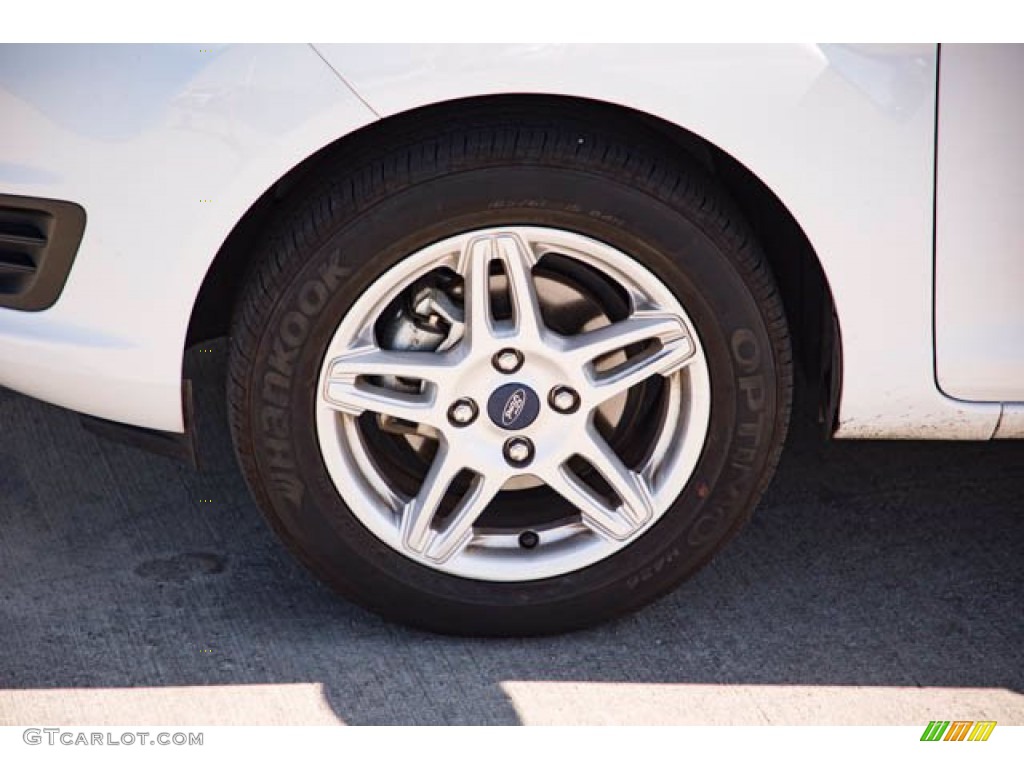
(357, 220)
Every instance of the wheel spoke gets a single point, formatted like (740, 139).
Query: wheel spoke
(595, 512)
(351, 396)
(459, 530)
(675, 349)
(346, 391)
(587, 347)
(475, 270)
(374, 361)
(420, 511)
(631, 488)
(518, 261)
(664, 362)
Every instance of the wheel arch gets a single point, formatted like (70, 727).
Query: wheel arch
(806, 294)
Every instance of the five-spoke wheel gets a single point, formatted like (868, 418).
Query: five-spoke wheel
(513, 400)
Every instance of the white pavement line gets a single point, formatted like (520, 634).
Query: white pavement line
(264, 704)
(585, 703)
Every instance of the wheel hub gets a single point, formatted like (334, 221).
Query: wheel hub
(513, 406)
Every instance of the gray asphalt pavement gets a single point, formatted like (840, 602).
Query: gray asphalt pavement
(878, 583)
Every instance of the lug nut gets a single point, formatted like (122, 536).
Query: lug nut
(508, 360)
(462, 412)
(518, 451)
(564, 399)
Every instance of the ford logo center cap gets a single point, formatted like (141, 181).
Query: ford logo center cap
(513, 406)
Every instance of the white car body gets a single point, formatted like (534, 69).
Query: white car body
(167, 148)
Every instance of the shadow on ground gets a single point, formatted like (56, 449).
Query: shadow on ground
(877, 564)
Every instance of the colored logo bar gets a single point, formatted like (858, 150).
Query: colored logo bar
(958, 730)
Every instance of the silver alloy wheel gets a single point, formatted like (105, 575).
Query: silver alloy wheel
(597, 365)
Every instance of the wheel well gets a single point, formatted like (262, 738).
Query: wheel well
(805, 292)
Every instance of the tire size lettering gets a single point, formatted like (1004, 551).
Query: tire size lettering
(652, 570)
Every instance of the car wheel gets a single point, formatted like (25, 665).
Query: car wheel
(511, 378)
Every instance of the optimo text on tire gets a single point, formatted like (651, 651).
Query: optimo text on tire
(513, 377)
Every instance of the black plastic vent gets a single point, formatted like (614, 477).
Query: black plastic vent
(38, 242)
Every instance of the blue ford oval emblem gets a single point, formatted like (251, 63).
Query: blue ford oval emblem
(513, 406)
